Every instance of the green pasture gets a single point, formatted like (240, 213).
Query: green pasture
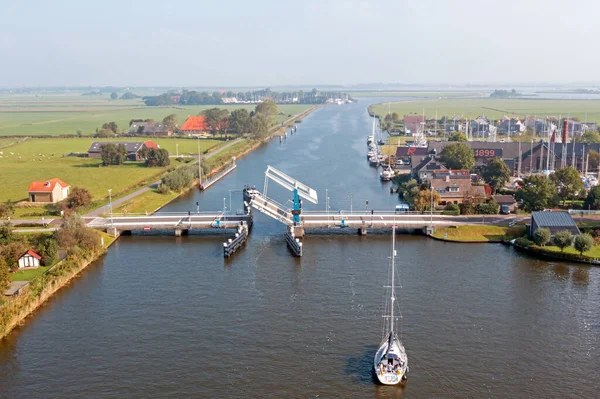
(494, 108)
(42, 159)
(60, 115)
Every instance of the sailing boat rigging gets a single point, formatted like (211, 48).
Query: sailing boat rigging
(390, 364)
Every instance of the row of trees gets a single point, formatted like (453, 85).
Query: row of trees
(240, 121)
(192, 97)
(563, 239)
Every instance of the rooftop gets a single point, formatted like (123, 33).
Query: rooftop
(46, 186)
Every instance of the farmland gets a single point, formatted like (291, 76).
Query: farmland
(17, 172)
(495, 108)
(54, 115)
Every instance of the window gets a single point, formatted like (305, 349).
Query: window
(453, 189)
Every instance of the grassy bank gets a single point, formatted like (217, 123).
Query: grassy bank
(479, 233)
(13, 310)
(494, 108)
(147, 202)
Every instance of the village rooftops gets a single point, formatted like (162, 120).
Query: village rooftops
(402, 152)
(46, 186)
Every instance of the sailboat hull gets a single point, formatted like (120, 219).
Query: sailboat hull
(390, 364)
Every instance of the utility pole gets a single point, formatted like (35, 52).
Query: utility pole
(520, 160)
(199, 164)
(110, 203)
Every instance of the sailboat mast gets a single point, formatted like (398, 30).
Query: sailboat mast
(393, 283)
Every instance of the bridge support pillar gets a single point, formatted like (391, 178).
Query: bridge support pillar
(298, 231)
(363, 231)
(178, 232)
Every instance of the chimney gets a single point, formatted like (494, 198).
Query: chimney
(447, 178)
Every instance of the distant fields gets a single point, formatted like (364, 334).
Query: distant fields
(66, 114)
(495, 108)
(417, 94)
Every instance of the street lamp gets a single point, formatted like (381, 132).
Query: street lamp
(110, 204)
(224, 207)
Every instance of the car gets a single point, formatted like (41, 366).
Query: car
(504, 210)
(402, 208)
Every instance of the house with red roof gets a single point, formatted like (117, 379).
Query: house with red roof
(133, 148)
(30, 260)
(49, 191)
(195, 125)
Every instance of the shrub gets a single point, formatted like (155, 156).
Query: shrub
(48, 249)
(163, 189)
(467, 208)
(541, 236)
(451, 209)
(523, 242)
(490, 208)
(583, 243)
(79, 197)
(563, 239)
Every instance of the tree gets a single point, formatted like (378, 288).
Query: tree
(496, 173)
(79, 197)
(111, 126)
(114, 96)
(238, 121)
(592, 201)
(583, 243)
(395, 117)
(541, 236)
(259, 126)
(7, 209)
(563, 239)
(458, 156)
(537, 193)
(48, 250)
(158, 157)
(590, 137)
(170, 121)
(457, 136)
(594, 160)
(217, 119)
(113, 154)
(4, 275)
(105, 133)
(74, 234)
(6, 233)
(567, 182)
(267, 108)
(422, 201)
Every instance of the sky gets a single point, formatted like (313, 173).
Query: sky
(259, 43)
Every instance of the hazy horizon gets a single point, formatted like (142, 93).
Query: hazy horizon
(276, 43)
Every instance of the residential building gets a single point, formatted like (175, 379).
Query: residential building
(424, 171)
(514, 124)
(413, 123)
(150, 129)
(49, 191)
(454, 186)
(553, 221)
(408, 158)
(133, 148)
(194, 125)
(30, 260)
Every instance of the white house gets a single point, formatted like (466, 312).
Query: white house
(30, 260)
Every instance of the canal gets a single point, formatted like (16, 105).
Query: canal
(169, 317)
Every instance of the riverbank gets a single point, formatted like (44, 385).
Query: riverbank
(151, 200)
(15, 309)
(478, 233)
(554, 253)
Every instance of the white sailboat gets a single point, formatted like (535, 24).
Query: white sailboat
(390, 364)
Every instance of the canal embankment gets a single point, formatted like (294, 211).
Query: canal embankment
(16, 308)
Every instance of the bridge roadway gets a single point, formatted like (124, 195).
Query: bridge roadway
(378, 220)
(169, 221)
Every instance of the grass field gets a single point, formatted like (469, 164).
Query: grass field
(416, 93)
(65, 114)
(593, 253)
(26, 165)
(479, 233)
(28, 275)
(147, 202)
(495, 108)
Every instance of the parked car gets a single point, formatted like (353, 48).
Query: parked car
(504, 210)
(402, 208)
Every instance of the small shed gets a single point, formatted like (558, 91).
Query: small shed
(30, 260)
(554, 221)
(506, 200)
